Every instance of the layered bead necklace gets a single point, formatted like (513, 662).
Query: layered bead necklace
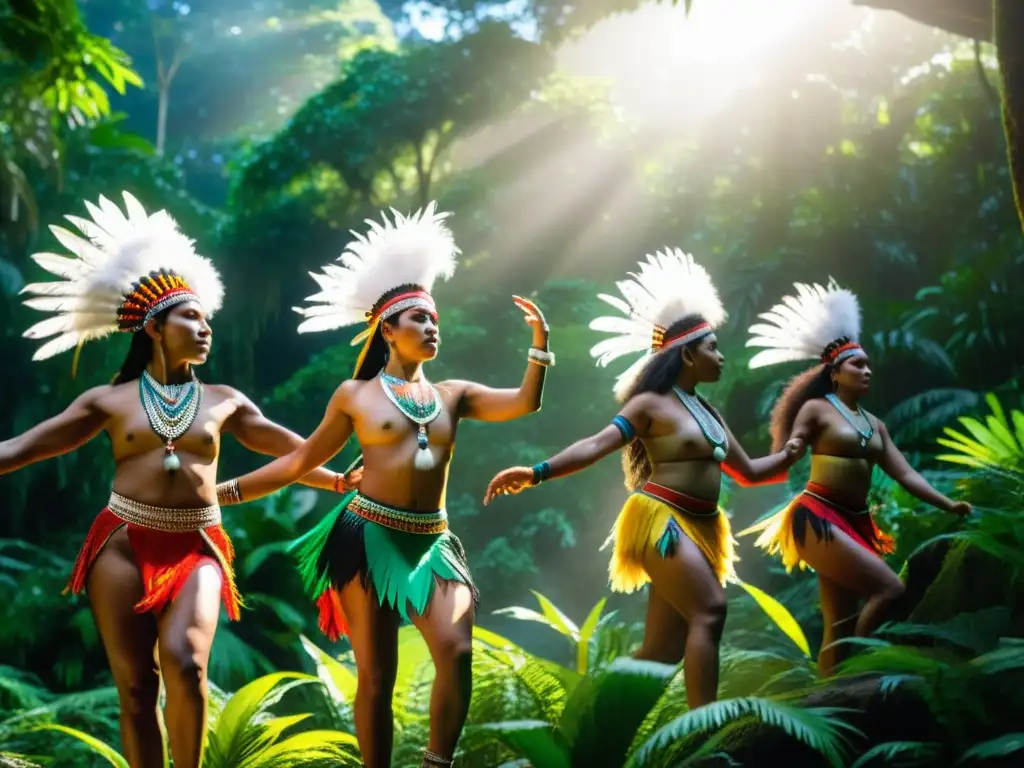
(421, 403)
(866, 432)
(709, 425)
(171, 410)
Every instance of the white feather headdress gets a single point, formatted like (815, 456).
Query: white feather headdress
(411, 250)
(126, 269)
(800, 327)
(669, 286)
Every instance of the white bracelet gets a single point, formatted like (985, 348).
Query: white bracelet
(541, 357)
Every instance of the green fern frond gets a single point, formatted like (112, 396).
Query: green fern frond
(1009, 744)
(820, 728)
(894, 753)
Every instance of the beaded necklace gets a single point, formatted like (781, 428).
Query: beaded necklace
(709, 425)
(846, 413)
(171, 410)
(421, 404)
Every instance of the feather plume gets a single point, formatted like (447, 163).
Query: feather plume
(668, 286)
(115, 253)
(414, 249)
(800, 327)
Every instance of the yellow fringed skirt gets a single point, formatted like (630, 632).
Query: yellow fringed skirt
(656, 516)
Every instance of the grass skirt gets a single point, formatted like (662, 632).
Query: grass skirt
(165, 561)
(402, 567)
(656, 516)
(821, 509)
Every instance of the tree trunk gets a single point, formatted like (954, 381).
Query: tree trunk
(970, 18)
(1009, 37)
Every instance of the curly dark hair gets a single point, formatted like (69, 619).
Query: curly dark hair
(658, 375)
(377, 355)
(812, 383)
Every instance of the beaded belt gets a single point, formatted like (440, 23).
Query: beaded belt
(163, 518)
(399, 519)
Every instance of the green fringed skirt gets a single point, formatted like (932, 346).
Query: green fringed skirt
(386, 548)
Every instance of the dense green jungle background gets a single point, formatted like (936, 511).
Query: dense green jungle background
(568, 140)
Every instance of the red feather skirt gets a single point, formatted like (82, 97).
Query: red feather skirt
(165, 560)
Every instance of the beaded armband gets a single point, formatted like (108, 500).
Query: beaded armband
(228, 493)
(541, 472)
(541, 357)
(625, 426)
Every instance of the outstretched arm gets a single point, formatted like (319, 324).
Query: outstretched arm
(329, 438)
(761, 471)
(631, 423)
(487, 404)
(895, 465)
(259, 434)
(78, 424)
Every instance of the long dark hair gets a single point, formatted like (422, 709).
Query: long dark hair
(140, 352)
(377, 353)
(659, 375)
(812, 383)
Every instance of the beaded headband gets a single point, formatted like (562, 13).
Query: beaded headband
(398, 304)
(152, 294)
(839, 354)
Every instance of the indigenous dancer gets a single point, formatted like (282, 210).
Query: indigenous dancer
(822, 408)
(671, 532)
(386, 553)
(156, 564)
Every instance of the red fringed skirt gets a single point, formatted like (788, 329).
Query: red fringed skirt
(164, 559)
(820, 508)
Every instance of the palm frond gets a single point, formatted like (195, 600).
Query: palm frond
(538, 742)
(926, 412)
(601, 717)
(105, 751)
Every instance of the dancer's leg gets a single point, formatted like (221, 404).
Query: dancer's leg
(686, 581)
(186, 631)
(114, 586)
(839, 611)
(847, 564)
(665, 631)
(447, 627)
(373, 634)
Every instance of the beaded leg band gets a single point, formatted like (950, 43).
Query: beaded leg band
(434, 760)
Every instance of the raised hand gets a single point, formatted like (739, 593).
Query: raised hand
(535, 319)
(509, 481)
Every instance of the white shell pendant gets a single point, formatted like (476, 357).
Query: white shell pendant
(719, 453)
(171, 461)
(424, 460)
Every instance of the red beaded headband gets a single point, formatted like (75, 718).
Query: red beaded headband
(698, 331)
(402, 302)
